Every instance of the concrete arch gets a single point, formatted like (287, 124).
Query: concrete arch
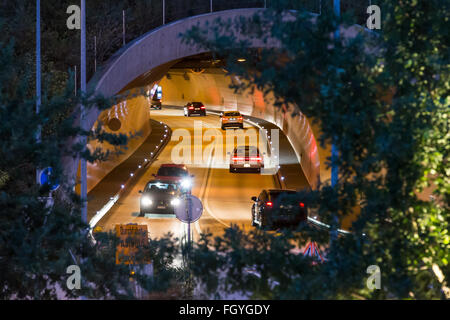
(147, 59)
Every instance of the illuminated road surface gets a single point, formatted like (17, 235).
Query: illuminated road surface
(225, 196)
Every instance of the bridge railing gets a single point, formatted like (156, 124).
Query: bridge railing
(156, 13)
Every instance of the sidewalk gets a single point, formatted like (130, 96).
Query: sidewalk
(111, 184)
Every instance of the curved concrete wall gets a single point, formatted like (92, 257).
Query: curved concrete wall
(133, 117)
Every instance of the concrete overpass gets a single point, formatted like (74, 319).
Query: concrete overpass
(148, 59)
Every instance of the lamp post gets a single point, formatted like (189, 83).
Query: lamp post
(82, 111)
(334, 150)
(38, 72)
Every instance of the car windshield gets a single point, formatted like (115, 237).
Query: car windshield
(197, 104)
(246, 151)
(172, 172)
(158, 186)
(232, 114)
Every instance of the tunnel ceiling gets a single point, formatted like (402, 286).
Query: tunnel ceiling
(203, 62)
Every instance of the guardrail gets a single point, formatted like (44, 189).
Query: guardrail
(157, 13)
(165, 138)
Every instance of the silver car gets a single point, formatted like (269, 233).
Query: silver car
(246, 158)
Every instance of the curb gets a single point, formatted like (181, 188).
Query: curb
(147, 162)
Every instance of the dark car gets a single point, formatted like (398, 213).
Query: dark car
(246, 158)
(160, 197)
(175, 173)
(277, 208)
(194, 108)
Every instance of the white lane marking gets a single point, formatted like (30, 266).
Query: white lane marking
(206, 182)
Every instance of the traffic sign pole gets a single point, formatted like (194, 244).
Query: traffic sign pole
(82, 109)
(38, 71)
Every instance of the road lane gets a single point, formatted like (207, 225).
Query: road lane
(225, 196)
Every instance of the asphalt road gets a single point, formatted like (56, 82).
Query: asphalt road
(226, 197)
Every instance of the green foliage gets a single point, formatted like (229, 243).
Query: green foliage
(383, 99)
(39, 241)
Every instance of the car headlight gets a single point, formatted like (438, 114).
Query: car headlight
(186, 183)
(146, 201)
(175, 202)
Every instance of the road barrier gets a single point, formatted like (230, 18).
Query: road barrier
(165, 138)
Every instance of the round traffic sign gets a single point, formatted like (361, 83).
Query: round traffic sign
(189, 210)
(46, 178)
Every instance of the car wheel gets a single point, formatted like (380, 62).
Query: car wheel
(223, 128)
(242, 126)
(141, 214)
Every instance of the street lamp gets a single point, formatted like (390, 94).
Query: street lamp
(82, 111)
(38, 72)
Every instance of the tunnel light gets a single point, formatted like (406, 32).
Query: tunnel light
(282, 178)
(139, 166)
(165, 135)
(279, 166)
(157, 147)
(161, 141)
(145, 160)
(241, 60)
(122, 186)
(132, 174)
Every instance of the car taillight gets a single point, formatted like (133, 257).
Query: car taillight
(269, 204)
(240, 118)
(238, 158)
(202, 107)
(191, 108)
(255, 159)
(302, 205)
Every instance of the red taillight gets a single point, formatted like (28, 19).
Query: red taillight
(238, 158)
(255, 159)
(191, 108)
(269, 204)
(240, 118)
(202, 107)
(302, 205)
